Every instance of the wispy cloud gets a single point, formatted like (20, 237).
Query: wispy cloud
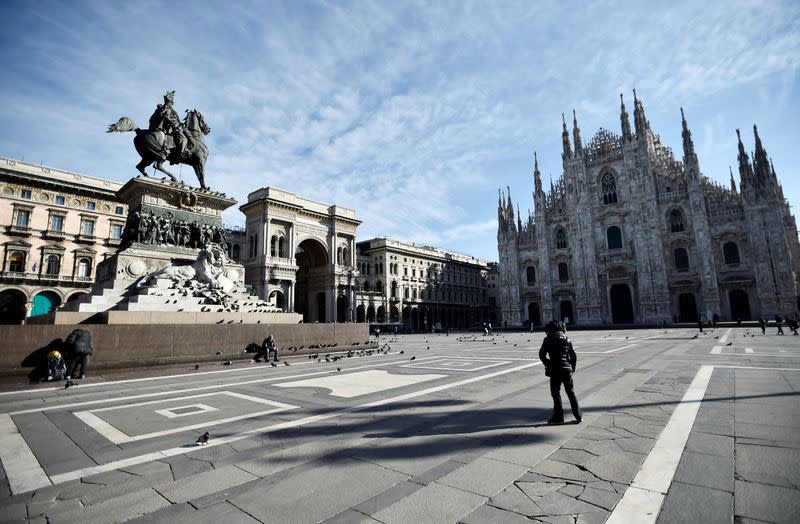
(412, 113)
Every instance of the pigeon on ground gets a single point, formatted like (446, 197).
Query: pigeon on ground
(202, 440)
(402, 352)
(196, 367)
(227, 363)
(273, 364)
(413, 358)
(219, 352)
(338, 369)
(729, 343)
(69, 384)
(285, 363)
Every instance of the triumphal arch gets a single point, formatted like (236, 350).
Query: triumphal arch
(300, 254)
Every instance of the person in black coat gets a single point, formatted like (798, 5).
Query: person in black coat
(559, 361)
(79, 344)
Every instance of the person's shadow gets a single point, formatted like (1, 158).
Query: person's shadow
(38, 360)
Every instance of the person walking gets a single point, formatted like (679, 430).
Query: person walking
(559, 359)
(762, 322)
(79, 344)
(779, 323)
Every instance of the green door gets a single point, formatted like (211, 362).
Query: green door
(45, 302)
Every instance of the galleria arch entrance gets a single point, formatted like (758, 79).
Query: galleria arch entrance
(621, 304)
(309, 290)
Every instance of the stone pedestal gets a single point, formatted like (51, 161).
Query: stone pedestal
(175, 228)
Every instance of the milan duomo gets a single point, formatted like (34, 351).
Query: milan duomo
(630, 235)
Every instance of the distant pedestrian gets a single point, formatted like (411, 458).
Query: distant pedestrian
(79, 345)
(791, 322)
(490, 329)
(779, 324)
(762, 323)
(714, 320)
(700, 323)
(559, 359)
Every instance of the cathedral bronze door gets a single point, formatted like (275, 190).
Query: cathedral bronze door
(740, 304)
(533, 314)
(687, 308)
(621, 304)
(566, 312)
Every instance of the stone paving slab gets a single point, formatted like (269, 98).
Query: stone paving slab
(305, 497)
(710, 471)
(769, 465)
(203, 484)
(484, 476)
(117, 509)
(435, 503)
(691, 503)
(766, 503)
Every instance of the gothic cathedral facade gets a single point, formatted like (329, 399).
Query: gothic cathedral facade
(630, 235)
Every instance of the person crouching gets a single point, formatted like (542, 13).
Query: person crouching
(559, 361)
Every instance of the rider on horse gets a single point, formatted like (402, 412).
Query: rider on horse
(166, 119)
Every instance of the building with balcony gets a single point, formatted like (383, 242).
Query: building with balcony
(55, 227)
(631, 235)
(421, 287)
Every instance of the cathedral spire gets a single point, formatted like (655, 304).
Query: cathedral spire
(624, 120)
(760, 160)
(537, 175)
(576, 135)
(639, 120)
(688, 145)
(745, 169)
(733, 182)
(567, 152)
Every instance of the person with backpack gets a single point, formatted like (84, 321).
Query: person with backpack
(79, 342)
(559, 359)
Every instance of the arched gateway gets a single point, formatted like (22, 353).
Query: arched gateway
(303, 251)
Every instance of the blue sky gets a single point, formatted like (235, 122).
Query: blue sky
(412, 113)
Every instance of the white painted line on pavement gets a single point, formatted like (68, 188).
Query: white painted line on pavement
(85, 472)
(23, 471)
(618, 349)
(641, 502)
(716, 350)
(748, 350)
(724, 338)
(202, 388)
(757, 367)
(360, 383)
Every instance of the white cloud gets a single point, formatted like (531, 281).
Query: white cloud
(411, 113)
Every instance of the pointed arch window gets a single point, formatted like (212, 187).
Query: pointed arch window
(530, 273)
(609, 186)
(614, 237)
(681, 259)
(676, 221)
(563, 272)
(730, 252)
(561, 239)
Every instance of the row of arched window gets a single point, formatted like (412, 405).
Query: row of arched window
(17, 263)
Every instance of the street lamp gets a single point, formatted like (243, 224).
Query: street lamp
(435, 283)
(352, 274)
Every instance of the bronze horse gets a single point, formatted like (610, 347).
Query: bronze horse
(155, 147)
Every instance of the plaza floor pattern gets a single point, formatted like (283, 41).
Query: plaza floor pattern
(678, 426)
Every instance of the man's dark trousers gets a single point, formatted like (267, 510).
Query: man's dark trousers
(83, 360)
(563, 376)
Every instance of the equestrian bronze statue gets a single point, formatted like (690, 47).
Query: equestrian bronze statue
(169, 138)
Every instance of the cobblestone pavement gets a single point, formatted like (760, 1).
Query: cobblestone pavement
(677, 427)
